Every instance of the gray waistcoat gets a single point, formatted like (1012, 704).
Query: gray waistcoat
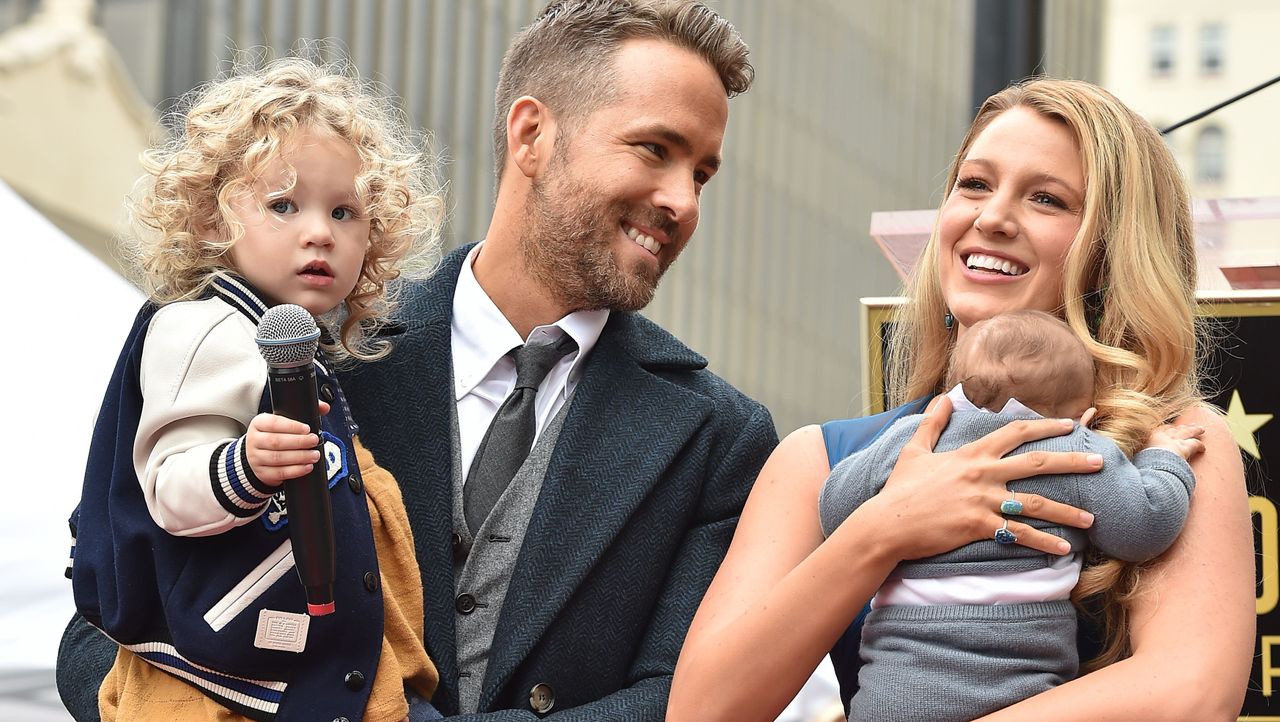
(486, 571)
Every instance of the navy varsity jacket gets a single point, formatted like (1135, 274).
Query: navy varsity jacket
(224, 609)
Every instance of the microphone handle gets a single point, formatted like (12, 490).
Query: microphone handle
(293, 395)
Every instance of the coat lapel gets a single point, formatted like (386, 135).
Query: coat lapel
(624, 428)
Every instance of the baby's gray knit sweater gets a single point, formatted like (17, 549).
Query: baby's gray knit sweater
(1139, 508)
(952, 663)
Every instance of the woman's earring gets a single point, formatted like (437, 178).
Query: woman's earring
(948, 320)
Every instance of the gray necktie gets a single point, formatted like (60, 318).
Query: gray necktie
(510, 435)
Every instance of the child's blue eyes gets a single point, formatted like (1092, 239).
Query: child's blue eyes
(284, 206)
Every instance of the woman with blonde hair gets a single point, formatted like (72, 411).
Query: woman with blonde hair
(1062, 200)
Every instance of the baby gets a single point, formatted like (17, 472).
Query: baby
(961, 634)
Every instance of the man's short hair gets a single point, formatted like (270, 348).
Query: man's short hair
(565, 57)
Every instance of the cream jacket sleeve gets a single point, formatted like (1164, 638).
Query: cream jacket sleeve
(202, 382)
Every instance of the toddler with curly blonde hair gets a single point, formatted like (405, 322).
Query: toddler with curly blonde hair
(294, 183)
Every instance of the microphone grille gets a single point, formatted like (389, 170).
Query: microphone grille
(288, 336)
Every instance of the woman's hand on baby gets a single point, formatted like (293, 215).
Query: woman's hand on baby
(941, 501)
(1182, 439)
(279, 448)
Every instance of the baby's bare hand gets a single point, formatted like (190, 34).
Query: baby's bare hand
(280, 448)
(1181, 439)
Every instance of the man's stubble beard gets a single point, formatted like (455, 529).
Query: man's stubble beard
(568, 245)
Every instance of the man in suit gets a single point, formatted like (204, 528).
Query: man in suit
(567, 593)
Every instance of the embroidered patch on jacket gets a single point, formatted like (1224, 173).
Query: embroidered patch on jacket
(282, 631)
(336, 467)
(335, 457)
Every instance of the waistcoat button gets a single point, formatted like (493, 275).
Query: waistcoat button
(465, 603)
(371, 581)
(354, 680)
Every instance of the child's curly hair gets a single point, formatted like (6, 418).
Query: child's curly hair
(232, 129)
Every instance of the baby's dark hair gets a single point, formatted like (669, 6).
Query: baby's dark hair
(1030, 356)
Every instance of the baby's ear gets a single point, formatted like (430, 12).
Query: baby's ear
(1086, 419)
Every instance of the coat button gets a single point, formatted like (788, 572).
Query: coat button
(465, 603)
(371, 581)
(542, 698)
(326, 392)
(354, 482)
(354, 680)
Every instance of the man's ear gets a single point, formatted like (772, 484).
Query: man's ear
(531, 134)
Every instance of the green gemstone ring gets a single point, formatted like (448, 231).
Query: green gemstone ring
(1011, 506)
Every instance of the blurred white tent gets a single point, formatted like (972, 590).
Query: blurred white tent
(73, 125)
(68, 314)
(72, 120)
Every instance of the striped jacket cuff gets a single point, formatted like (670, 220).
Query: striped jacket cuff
(235, 486)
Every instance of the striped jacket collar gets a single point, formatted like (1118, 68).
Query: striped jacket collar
(246, 299)
(236, 291)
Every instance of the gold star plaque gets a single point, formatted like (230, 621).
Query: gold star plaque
(1243, 425)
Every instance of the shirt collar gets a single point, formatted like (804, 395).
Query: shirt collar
(481, 335)
(1012, 407)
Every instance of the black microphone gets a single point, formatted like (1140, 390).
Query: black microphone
(288, 338)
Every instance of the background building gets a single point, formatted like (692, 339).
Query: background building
(857, 107)
(1172, 59)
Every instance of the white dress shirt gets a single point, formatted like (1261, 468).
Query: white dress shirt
(483, 374)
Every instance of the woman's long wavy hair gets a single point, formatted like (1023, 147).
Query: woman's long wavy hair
(1128, 286)
(231, 129)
